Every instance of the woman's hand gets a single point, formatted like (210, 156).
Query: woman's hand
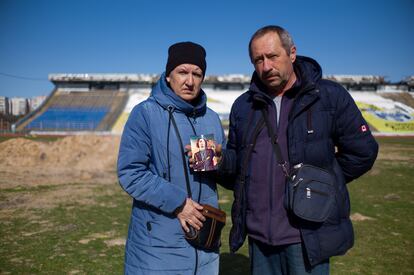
(190, 214)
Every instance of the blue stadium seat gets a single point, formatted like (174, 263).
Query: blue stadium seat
(69, 118)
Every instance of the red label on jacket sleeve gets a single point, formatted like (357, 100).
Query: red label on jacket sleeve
(364, 128)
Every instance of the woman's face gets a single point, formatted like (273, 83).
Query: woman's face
(185, 80)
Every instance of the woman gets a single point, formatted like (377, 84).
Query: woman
(152, 171)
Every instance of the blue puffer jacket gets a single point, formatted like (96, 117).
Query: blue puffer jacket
(156, 240)
(323, 117)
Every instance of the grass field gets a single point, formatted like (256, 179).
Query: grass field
(86, 236)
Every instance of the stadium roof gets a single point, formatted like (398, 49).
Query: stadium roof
(102, 77)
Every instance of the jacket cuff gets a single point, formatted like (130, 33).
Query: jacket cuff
(227, 164)
(175, 198)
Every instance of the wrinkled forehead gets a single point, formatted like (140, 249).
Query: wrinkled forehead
(189, 67)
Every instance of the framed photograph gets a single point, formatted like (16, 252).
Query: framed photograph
(203, 148)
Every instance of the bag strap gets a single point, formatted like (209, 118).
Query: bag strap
(275, 145)
(187, 180)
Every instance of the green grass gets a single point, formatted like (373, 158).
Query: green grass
(385, 244)
(73, 237)
(67, 238)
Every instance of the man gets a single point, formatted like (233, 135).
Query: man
(204, 158)
(315, 122)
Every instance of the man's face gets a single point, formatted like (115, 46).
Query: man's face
(201, 144)
(271, 62)
(185, 80)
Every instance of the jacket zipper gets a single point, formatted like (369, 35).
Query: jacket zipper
(309, 120)
(195, 133)
(196, 261)
(318, 192)
(290, 119)
(199, 193)
(271, 183)
(300, 95)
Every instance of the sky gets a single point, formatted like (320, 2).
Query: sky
(40, 37)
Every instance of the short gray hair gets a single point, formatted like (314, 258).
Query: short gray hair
(285, 38)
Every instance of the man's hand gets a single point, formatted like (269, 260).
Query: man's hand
(218, 153)
(190, 214)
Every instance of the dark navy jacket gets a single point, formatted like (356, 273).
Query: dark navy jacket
(325, 128)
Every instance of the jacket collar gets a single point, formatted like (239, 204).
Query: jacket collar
(309, 71)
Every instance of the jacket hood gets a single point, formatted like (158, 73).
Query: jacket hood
(166, 97)
(307, 70)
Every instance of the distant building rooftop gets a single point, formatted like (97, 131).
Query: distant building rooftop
(102, 77)
(225, 82)
(149, 78)
(357, 79)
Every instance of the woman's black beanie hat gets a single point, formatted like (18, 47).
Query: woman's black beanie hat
(183, 53)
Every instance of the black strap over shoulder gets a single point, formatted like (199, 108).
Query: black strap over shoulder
(275, 145)
(187, 180)
(250, 146)
(181, 145)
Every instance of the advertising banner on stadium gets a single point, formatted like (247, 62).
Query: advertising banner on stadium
(396, 120)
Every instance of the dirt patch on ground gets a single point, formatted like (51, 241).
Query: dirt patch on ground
(47, 199)
(359, 217)
(115, 242)
(106, 236)
(35, 174)
(396, 153)
(70, 159)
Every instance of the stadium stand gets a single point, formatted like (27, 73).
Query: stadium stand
(384, 114)
(77, 111)
(66, 118)
(103, 102)
(134, 99)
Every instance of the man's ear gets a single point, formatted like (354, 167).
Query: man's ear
(292, 54)
(168, 79)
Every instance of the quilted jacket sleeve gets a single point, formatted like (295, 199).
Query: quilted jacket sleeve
(134, 161)
(357, 148)
(228, 166)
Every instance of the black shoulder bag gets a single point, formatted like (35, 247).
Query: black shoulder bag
(208, 237)
(310, 190)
